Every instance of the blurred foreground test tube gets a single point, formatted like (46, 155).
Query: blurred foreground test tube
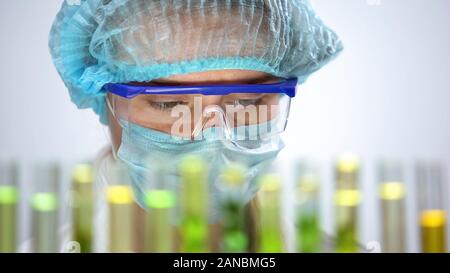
(392, 206)
(194, 202)
(159, 232)
(271, 234)
(431, 190)
(120, 205)
(347, 199)
(82, 205)
(309, 237)
(45, 204)
(234, 235)
(9, 197)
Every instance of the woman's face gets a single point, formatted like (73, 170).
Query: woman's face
(209, 77)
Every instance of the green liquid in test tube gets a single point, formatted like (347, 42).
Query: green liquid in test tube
(159, 233)
(309, 238)
(347, 199)
(194, 202)
(271, 239)
(82, 197)
(234, 236)
(392, 202)
(8, 207)
(45, 236)
(45, 204)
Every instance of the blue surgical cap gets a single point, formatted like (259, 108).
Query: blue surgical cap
(94, 42)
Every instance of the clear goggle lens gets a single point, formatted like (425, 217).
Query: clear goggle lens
(238, 116)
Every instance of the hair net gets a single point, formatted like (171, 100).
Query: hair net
(94, 42)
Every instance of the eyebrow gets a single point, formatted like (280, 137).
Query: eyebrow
(170, 97)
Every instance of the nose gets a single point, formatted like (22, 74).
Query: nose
(213, 116)
(211, 100)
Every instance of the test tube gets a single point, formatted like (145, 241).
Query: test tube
(234, 236)
(9, 197)
(194, 200)
(271, 239)
(347, 198)
(160, 201)
(309, 238)
(431, 191)
(159, 236)
(120, 205)
(45, 204)
(82, 202)
(392, 206)
(139, 217)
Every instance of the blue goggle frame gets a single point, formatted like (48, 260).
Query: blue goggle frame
(287, 87)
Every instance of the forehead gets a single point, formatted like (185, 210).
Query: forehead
(219, 76)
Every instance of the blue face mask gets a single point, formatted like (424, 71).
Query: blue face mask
(146, 151)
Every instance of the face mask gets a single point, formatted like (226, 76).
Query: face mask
(146, 152)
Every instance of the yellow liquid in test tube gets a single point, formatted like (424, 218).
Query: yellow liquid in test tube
(433, 229)
(120, 203)
(432, 196)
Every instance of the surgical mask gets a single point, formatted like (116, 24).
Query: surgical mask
(146, 152)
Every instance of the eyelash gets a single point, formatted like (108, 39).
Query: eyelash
(165, 106)
(247, 102)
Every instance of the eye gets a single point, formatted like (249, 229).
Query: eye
(250, 102)
(247, 102)
(165, 105)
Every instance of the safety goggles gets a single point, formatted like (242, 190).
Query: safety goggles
(241, 111)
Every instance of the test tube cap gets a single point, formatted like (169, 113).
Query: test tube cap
(119, 194)
(347, 163)
(8, 195)
(44, 201)
(192, 165)
(160, 199)
(270, 182)
(234, 174)
(83, 173)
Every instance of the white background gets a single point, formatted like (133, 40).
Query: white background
(388, 94)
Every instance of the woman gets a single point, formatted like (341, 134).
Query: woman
(170, 78)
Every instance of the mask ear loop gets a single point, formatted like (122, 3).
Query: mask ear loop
(111, 109)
